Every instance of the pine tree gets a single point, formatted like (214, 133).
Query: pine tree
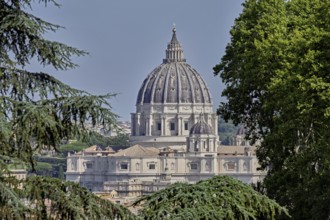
(221, 197)
(37, 111)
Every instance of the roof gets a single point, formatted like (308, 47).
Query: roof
(174, 81)
(91, 148)
(235, 150)
(138, 151)
(201, 127)
(95, 149)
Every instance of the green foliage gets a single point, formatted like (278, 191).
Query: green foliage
(221, 197)
(14, 164)
(94, 139)
(227, 131)
(39, 112)
(53, 163)
(65, 200)
(72, 147)
(44, 169)
(121, 139)
(61, 173)
(52, 160)
(55, 166)
(276, 71)
(13, 208)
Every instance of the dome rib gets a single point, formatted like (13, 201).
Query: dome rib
(153, 92)
(206, 97)
(186, 91)
(178, 84)
(147, 93)
(166, 85)
(192, 91)
(205, 92)
(200, 88)
(142, 91)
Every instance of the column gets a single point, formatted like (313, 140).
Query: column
(215, 168)
(251, 167)
(79, 164)
(164, 130)
(179, 122)
(68, 163)
(215, 122)
(137, 124)
(147, 126)
(202, 163)
(141, 165)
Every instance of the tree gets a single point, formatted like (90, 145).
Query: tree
(276, 72)
(61, 173)
(121, 139)
(44, 169)
(72, 148)
(56, 199)
(221, 197)
(38, 111)
(227, 132)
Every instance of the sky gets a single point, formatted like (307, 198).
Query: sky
(126, 40)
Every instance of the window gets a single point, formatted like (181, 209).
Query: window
(245, 166)
(207, 167)
(124, 166)
(152, 166)
(137, 166)
(172, 166)
(159, 126)
(196, 146)
(172, 126)
(89, 165)
(231, 166)
(193, 166)
(73, 165)
(186, 126)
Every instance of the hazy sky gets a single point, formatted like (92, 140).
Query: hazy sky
(127, 39)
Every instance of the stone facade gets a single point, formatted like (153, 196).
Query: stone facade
(99, 171)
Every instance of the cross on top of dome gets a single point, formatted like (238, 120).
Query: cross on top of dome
(174, 51)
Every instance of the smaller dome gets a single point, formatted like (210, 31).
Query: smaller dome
(201, 128)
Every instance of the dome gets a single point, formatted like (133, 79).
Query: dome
(169, 101)
(201, 128)
(174, 81)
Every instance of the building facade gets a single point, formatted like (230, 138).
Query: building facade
(174, 137)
